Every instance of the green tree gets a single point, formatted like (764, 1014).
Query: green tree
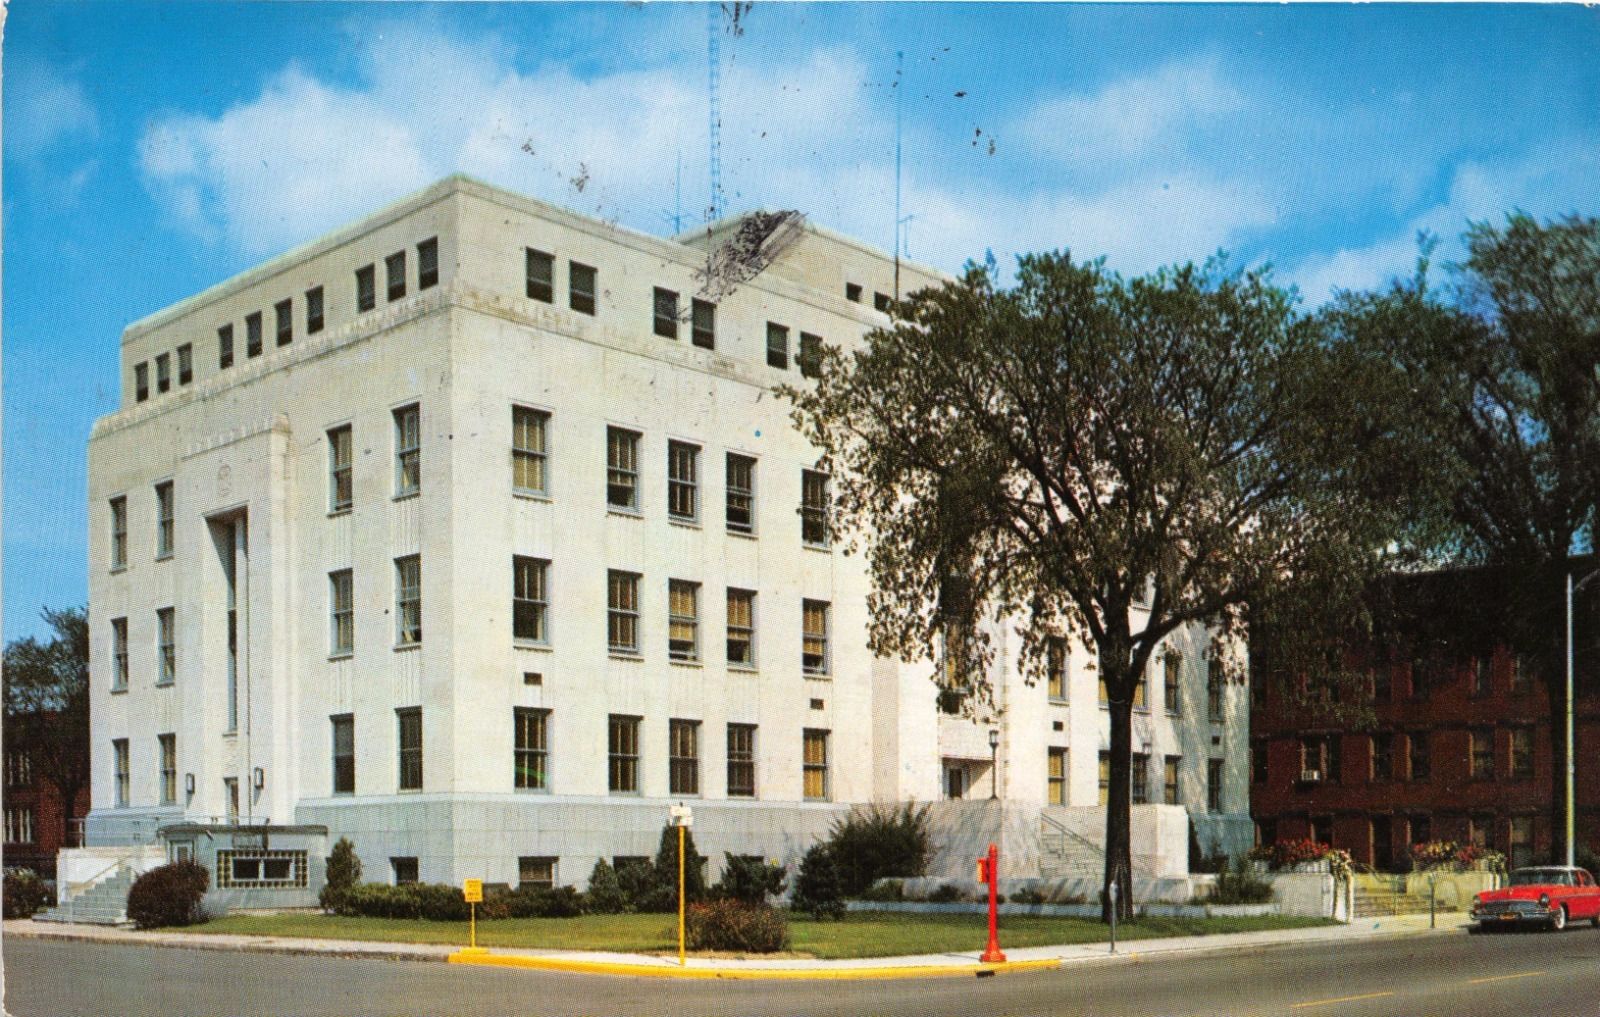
(1090, 456)
(817, 890)
(47, 705)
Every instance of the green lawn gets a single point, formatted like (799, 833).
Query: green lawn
(859, 935)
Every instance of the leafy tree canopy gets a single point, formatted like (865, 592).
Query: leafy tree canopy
(47, 703)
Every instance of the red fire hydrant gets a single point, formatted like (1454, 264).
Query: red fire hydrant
(989, 872)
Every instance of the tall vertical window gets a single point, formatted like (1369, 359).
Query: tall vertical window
(19, 824)
(168, 744)
(814, 508)
(344, 754)
(428, 263)
(1421, 762)
(186, 363)
(341, 614)
(809, 357)
(1056, 777)
(314, 321)
(741, 760)
(622, 469)
(231, 536)
(541, 273)
(166, 646)
(666, 313)
(119, 654)
(1383, 756)
(1519, 846)
(163, 372)
(1216, 683)
(1141, 691)
(341, 489)
(230, 790)
(283, 315)
(141, 381)
(622, 745)
(407, 450)
(777, 346)
(164, 519)
(683, 620)
(224, 346)
(622, 612)
(252, 334)
(531, 755)
(1483, 676)
(1169, 779)
(1483, 755)
(529, 603)
(119, 756)
(1258, 762)
(741, 487)
(408, 600)
(703, 324)
(410, 721)
(1521, 753)
(528, 451)
(814, 771)
(581, 287)
(683, 485)
(814, 637)
(741, 628)
(119, 532)
(394, 270)
(1105, 778)
(683, 759)
(1140, 779)
(1214, 785)
(1055, 662)
(366, 288)
(1172, 676)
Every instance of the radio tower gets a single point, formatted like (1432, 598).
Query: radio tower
(713, 29)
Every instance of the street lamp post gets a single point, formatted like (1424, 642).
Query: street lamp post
(1571, 756)
(994, 769)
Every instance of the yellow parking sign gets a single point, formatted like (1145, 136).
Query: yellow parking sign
(472, 890)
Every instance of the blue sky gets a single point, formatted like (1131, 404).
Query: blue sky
(151, 150)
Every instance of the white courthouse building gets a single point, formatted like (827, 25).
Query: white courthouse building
(472, 533)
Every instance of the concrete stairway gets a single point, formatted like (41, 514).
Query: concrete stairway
(104, 903)
(1376, 901)
(1066, 855)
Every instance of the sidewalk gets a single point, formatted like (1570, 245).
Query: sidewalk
(642, 965)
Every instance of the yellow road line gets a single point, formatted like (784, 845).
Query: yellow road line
(1501, 978)
(1340, 999)
(790, 974)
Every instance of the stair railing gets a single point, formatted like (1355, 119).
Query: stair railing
(1098, 850)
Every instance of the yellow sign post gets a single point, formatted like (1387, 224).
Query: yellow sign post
(682, 817)
(472, 891)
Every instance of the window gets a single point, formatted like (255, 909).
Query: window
(622, 612)
(1483, 676)
(741, 493)
(141, 381)
(741, 760)
(1140, 779)
(1105, 778)
(528, 451)
(623, 751)
(1141, 689)
(666, 313)
(622, 469)
(410, 721)
(1382, 684)
(814, 637)
(777, 346)
(809, 358)
(341, 613)
(119, 532)
(536, 872)
(428, 263)
(1520, 848)
(252, 334)
(1171, 675)
(314, 310)
(1169, 779)
(529, 602)
(1420, 762)
(1421, 829)
(344, 754)
(1056, 777)
(186, 363)
(683, 488)
(225, 346)
(341, 490)
(408, 600)
(703, 324)
(119, 654)
(741, 628)
(1383, 756)
(163, 372)
(581, 287)
(683, 620)
(1320, 758)
(1521, 753)
(852, 292)
(1478, 830)
(1482, 759)
(1213, 785)
(683, 757)
(405, 870)
(366, 288)
(394, 270)
(1522, 673)
(283, 313)
(19, 824)
(119, 756)
(541, 273)
(1258, 761)
(532, 752)
(1055, 654)
(230, 790)
(814, 508)
(166, 646)
(880, 301)
(407, 450)
(1215, 686)
(164, 519)
(168, 745)
(263, 869)
(814, 770)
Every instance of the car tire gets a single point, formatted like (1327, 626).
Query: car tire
(1558, 919)
(1596, 920)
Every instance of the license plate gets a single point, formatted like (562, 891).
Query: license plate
(1508, 918)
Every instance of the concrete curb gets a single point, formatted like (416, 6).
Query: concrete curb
(749, 972)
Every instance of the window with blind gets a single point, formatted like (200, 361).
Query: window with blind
(683, 620)
(814, 637)
(742, 628)
(528, 451)
(622, 612)
(623, 754)
(741, 760)
(815, 765)
(683, 761)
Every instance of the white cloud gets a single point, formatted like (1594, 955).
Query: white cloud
(47, 108)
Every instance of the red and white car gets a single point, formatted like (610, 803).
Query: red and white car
(1548, 895)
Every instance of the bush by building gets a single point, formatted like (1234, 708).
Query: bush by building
(816, 887)
(544, 902)
(1239, 887)
(605, 896)
(169, 895)
(25, 894)
(750, 880)
(344, 871)
(735, 926)
(885, 890)
(876, 841)
(946, 893)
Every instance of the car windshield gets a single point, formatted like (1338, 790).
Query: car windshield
(1537, 877)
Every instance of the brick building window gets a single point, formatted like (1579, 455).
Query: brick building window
(1383, 756)
(1421, 760)
(1482, 754)
(1521, 753)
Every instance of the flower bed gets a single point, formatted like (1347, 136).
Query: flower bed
(1303, 855)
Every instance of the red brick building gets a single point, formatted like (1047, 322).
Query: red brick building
(32, 816)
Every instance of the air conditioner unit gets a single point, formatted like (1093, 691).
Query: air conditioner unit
(1310, 776)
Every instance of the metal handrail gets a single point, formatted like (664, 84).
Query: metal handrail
(1099, 849)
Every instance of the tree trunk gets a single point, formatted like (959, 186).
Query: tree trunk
(1119, 859)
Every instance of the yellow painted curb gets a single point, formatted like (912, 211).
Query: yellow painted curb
(788, 974)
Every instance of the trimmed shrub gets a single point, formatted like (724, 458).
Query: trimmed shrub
(816, 888)
(344, 871)
(25, 894)
(749, 880)
(380, 900)
(637, 883)
(169, 895)
(735, 926)
(877, 841)
(544, 902)
(885, 890)
(605, 896)
(440, 902)
(1026, 897)
(1239, 888)
(946, 893)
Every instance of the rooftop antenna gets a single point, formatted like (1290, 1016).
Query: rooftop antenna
(899, 93)
(714, 84)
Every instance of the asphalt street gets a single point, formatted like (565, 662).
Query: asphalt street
(1444, 975)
